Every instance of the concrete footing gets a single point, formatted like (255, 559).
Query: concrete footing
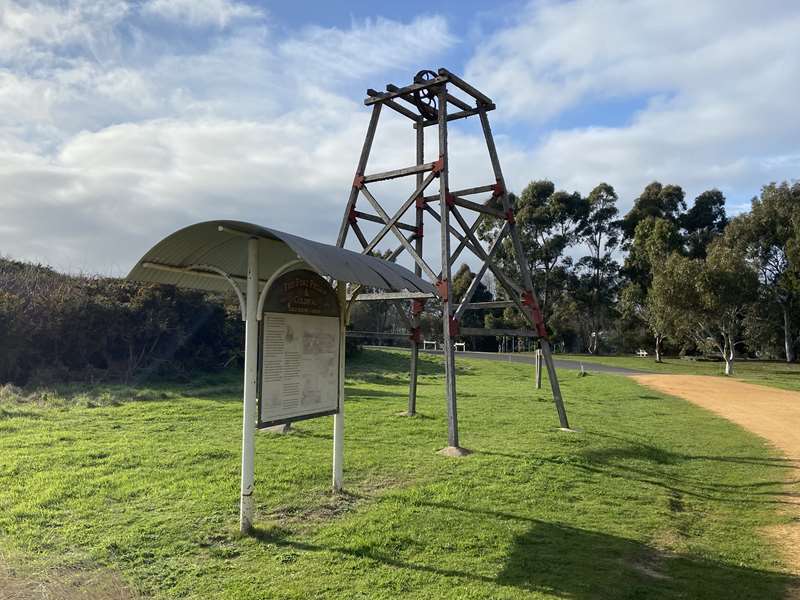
(454, 451)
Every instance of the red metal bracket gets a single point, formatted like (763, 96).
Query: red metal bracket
(417, 306)
(441, 288)
(419, 233)
(358, 181)
(498, 189)
(510, 216)
(352, 217)
(454, 326)
(438, 166)
(450, 199)
(421, 202)
(529, 300)
(415, 335)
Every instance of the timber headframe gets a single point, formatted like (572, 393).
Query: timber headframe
(434, 99)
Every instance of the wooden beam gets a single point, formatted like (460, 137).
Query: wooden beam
(395, 173)
(406, 90)
(466, 192)
(460, 83)
(458, 102)
(424, 110)
(463, 114)
(377, 219)
(482, 208)
(362, 164)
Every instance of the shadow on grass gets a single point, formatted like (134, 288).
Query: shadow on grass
(648, 464)
(571, 562)
(577, 563)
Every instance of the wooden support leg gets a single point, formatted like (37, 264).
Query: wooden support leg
(453, 448)
(551, 375)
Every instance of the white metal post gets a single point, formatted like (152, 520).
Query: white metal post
(338, 417)
(250, 386)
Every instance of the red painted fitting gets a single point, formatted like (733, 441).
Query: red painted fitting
(454, 327)
(529, 300)
(450, 199)
(415, 335)
(421, 202)
(441, 288)
(510, 216)
(438, 166)
(498, 189)
(358, 181)
(352, 217)
(417, 306)
(419, 233)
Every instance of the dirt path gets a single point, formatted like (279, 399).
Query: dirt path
(771, 413)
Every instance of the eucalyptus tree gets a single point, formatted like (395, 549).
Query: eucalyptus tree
(705, 301)
(548, 221)
(600, 231)
(769, 236)
(654, 240)
(704, 222)
(656, 201)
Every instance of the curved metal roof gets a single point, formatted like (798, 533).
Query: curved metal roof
(191, 257)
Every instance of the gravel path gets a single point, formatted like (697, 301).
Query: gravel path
(771, 413)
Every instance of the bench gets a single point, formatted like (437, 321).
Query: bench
(460, 346)
(641, 353)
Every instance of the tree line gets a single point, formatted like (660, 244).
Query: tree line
(667, 277)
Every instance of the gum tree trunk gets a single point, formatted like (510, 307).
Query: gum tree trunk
(787, 336)
(658, 348)
(729, 355)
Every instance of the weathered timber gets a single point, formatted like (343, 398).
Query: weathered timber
(463, 114)
(464, 86)
(437, 81)
(377, 219)
(395, 173)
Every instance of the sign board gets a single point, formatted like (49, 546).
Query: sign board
(299, 350)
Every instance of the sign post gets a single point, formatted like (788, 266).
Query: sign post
(250, 387)
(338, 418)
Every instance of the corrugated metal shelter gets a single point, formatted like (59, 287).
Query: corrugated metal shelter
(193, 257)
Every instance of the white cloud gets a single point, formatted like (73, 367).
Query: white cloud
(368, 47)
(200, 13)
(107, 147)
(717, 81)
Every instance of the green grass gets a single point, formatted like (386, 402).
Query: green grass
(653, 498)
(773, 373)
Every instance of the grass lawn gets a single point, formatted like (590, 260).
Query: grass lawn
(654, 498)
(773, 373)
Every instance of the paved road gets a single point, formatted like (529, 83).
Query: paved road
(528, 358)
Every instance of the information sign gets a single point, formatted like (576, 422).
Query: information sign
(299, 350)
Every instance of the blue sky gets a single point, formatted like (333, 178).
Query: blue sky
(123, 121)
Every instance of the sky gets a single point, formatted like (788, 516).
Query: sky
(121, 122)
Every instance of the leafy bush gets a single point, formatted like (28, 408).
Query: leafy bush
(56, 327)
